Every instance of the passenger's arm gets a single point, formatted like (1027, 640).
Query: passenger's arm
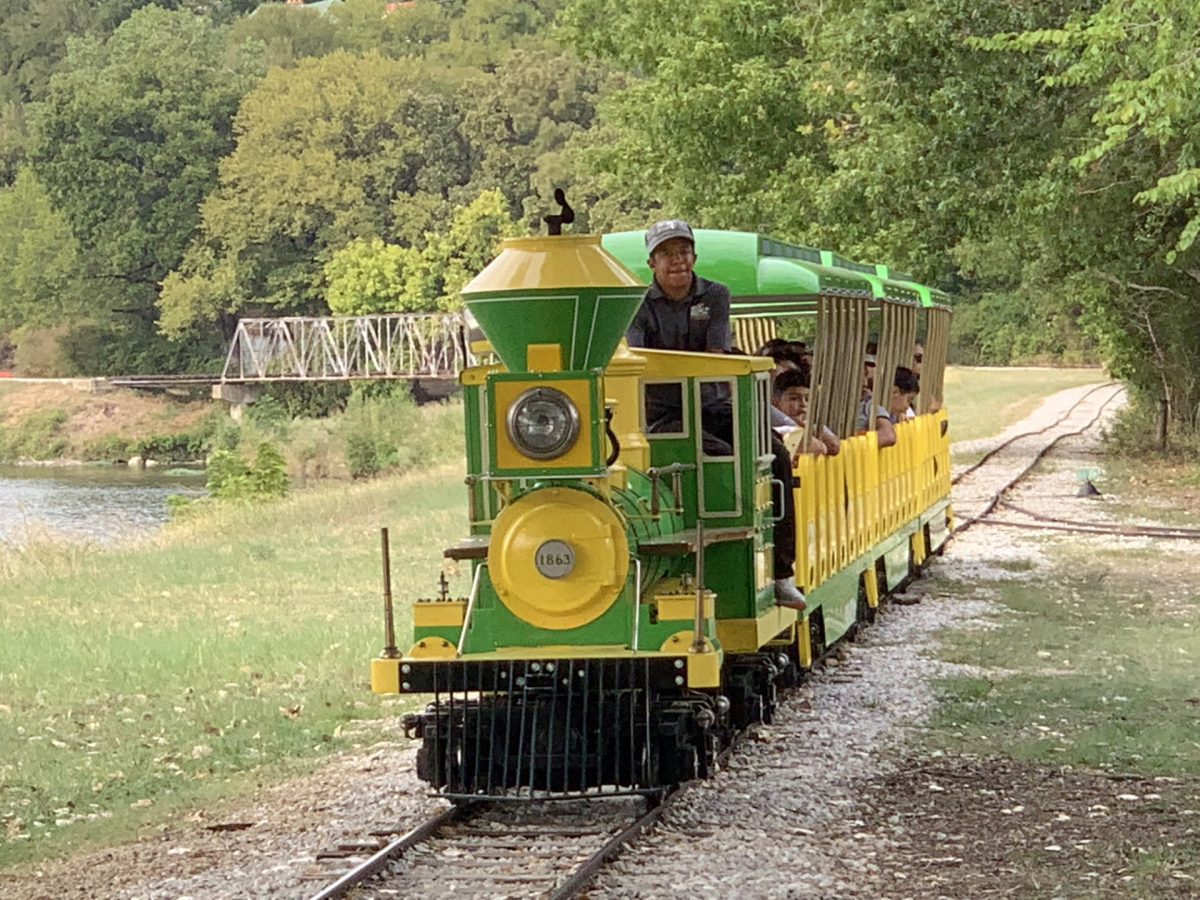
(833, 444)
(886, 431)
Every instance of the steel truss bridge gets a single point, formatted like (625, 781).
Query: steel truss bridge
(337, 348)
(419, 347)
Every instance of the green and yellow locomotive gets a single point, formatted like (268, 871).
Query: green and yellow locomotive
(621, 623)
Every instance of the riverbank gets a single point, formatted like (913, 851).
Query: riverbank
(323, 432)
(56, 421)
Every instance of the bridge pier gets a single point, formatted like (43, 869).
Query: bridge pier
(238, 396)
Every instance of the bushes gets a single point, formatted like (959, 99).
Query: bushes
(107, 448)
(230, 477)
(37, 436)
(379, 431)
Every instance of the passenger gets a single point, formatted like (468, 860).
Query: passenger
(884, 427)
(682, 311)
(903, 392)
(790, 396)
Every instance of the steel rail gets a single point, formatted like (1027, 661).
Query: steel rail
(583, 874)
(998, 496)
(1017, 437)
(378, 862)
(580, 877)
(1053, 523)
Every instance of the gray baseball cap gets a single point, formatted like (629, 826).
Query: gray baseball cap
(662, 231)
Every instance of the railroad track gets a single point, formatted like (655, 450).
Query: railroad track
(551, 850)
(544, 849)
(981, 487)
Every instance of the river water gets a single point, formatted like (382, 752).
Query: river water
(105, 504)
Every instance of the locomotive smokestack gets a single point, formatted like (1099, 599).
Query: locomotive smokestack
(563, 291)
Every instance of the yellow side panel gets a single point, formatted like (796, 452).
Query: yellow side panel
(578, 457)
(749, 635)
(385, 676)
(439, 613)
(673, 607)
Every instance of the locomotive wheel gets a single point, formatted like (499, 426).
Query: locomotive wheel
(816, 635)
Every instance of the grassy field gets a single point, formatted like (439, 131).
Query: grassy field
(983, 402)
(138, 680)
(1088, 669)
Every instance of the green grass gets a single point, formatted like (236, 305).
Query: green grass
(983, 402)
(136, 680)
(1092, 668)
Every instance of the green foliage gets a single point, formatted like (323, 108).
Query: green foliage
(329, 151)
(369, 276)
(181, 446)
(379, 431)
(39, 283)
(454, 256)
(37, 436)
(270, 415)
(132, 345)
(268, 478)
(519, 120)
(228, 475)
(287, 34)
(128, 138)
(312, 399)
(39, 352)
(107, 448)
(1140, 55)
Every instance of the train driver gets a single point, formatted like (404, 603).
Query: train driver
(682, 311)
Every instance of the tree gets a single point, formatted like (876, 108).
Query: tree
(288, 33)
(338, 148)
(453, 256)
(519, 119)
(369, 276)
(406, 31)
(128, 139)
(39, 284)
(1122, 213)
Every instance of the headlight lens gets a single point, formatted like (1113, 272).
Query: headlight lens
(543, 423)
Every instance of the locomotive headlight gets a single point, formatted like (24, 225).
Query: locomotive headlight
(543, 423)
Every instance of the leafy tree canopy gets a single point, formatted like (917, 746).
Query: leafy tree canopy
(128, 138)
(338, 148)
(38, 258)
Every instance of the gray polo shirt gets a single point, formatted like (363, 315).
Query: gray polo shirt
(697, 323)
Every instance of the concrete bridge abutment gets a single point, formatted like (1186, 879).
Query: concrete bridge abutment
(238, 396)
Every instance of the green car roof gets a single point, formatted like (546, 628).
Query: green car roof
(770, 277)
